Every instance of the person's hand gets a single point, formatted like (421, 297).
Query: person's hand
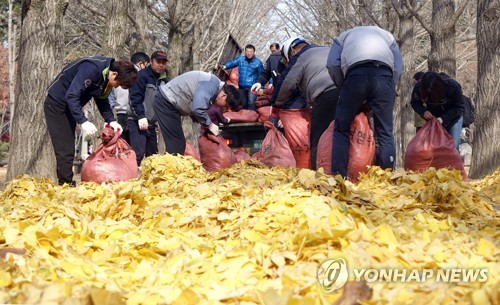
(116, 126)
(428, 115)
(228, 120)
(88, 128)
(270, 86)
(440, 120)
(256, 87)
(214, 129)
(143, 124)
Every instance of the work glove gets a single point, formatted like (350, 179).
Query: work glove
(228, 120)
(269, 86)
(274, 118)
(88, 128)
(143, 124)
(214, 129)
(116, 126)
(256, 87)
(440, 120)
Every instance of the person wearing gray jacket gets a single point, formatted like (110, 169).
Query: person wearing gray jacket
(190, 94)
(365, 62)
(307, 71)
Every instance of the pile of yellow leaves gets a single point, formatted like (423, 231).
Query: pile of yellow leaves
(245, 235)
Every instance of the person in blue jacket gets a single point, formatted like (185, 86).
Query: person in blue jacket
(249, 69)
(81, 80)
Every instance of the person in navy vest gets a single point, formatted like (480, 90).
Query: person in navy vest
(83, 79)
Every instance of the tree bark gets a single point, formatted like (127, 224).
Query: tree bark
(442, 54)
(116, 29)
(139, 15)
(40, 54)
(485, 151)
(403, 127)
(181, 41)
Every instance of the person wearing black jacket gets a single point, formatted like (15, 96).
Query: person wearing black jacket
(142, 133)
(81, 80)
(434, 96)
(271, 69)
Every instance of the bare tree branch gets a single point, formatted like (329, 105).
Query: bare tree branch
(418, 17)
(90, 8)
(451, 23)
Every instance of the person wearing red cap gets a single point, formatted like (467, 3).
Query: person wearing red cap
(141, 126)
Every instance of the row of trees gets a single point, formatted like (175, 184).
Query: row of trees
(433, 34)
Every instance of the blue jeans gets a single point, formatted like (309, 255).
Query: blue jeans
(374, 85)
(455, 130)
(247, 98)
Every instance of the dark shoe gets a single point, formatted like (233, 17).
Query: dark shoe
(70, 183)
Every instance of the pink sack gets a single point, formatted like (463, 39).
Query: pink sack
(275, 150)
(433, 146)
(191, 151)
(214, 152)
(296, 123)
(242, 116)
(113, 160)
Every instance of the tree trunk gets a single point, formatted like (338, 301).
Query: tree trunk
(40, 54)
(485, 151)
(442, 53)
(138, 39)
(116, 29)
(404, 115)
(12, 64)
(181, 41)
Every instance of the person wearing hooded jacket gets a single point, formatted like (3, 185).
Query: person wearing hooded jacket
(78, 82)
(365, 62)
(306, 71)
(190, 94)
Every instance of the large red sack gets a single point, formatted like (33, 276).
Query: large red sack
(263, 101)
(275, 150)
(264, 113)
(113, 160)
(324, 155)
(214, 152)
(361, 148)
(296, 123)
(433, 146)
(242, 116)
(191, 151)
(241, 155)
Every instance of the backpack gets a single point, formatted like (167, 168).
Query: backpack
(469, 111)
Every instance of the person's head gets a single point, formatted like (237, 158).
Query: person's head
(228, 96)
(444, 75)
(292, 46)
(274, 47)
(249, 51)
(140, 60)
(417, 76)
(122, 73)
(432, 88)
(159, 61)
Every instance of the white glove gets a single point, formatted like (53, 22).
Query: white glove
(214, 129)
(440, 120)
(143, 124)
(88, 128)
(115, 126)
(269, 86)
(256, 87)
(228, 120)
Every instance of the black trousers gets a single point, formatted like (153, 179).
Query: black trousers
(144, 142)
(122, 119)
(322, 115)
(61, 126)
(170, 122)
